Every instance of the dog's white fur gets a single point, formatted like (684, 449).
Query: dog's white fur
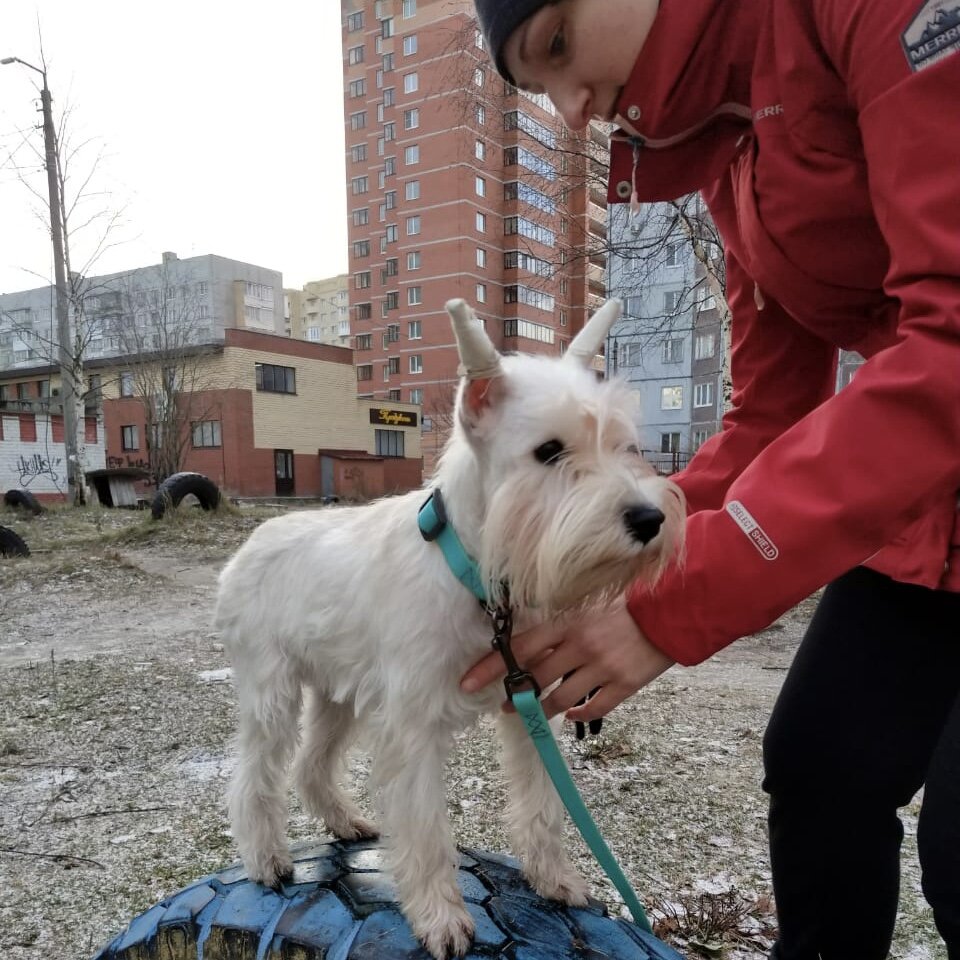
(349, 612)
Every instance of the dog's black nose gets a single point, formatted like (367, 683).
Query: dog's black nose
(643, 523)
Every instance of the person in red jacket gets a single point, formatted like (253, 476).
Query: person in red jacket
(824, 136)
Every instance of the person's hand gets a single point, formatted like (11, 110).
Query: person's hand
(604, 651)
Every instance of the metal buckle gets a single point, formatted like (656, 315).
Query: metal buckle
(516, 680)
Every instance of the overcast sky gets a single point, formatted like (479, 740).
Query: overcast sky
(220, 121)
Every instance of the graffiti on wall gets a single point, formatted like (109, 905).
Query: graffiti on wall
(30, 468)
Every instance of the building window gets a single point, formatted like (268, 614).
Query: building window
(671, 398)
(478, 77)
(703, 395)
(481, 222)
(700, 437)
(386, 28)
(392, 234)
(416, 395)
(126, 384)
(362, 280)
(481, 257)
(358, 88)
(274, 379)
(359, 185)
(480, 114)
(414, 330)
(481, 293)
(355, 55)
(480, 150)
(669, 442)
(413, 226)
(361, 217)
(358, 153)
(364, 311)
(411, 154)
(363, 341)
(130, 437)
(206, 433)
(412, 190)
(393, 300)
(672, 351)
(413, 260)
(409, 9)
(480, 185)
(416, 363)
(414, 297)
(355, 22)
(361, 248)
(365, 371)
(705, 346)
(411, 118)
(410, 45)
(673, 254)
(411, 81)
(389, 443)
(358, 120)
(392, 367)
(671, 300)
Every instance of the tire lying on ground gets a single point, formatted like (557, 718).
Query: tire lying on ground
(11, 545)
(341, 904)
(179, 485)
(23, 498)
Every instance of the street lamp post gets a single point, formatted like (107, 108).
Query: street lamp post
(68, 386)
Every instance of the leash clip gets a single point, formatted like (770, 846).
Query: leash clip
(517, 680)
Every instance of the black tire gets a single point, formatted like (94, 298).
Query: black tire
(25, 499)
(340, 904)
(11, 545)
(179, 485)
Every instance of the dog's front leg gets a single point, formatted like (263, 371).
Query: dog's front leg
(408, 772)
(535, 816)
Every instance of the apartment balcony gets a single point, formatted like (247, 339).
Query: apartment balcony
(597, 218)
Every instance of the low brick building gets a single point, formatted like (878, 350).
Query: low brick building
(273, 417)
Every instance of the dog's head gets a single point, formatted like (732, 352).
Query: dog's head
(571, 511)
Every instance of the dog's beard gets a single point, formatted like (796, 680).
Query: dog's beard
(563, 547)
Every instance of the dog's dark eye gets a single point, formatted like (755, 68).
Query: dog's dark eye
(634, 449)
(549, 452)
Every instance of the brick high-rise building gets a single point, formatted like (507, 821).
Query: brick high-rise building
(457, 186)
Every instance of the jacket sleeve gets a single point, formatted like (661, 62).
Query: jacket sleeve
(853, 473)
(780, 372)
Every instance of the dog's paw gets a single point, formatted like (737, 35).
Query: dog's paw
(566, 885)
(451, 936)
(353, 827)
(272, 871)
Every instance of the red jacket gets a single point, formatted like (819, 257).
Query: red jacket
(825, 136)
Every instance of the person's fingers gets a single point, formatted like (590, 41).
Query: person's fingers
(529, 647)
(606, 699)
(580, 684)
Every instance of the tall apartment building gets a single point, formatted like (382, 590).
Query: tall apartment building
(668, 345)
(458, 186)
(319, 312)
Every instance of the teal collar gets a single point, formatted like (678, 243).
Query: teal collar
(434, 526)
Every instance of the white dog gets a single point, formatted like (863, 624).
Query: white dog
(544, 486)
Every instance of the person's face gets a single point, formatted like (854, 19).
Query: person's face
(580, 54)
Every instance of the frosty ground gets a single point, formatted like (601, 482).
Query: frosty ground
(116, 713)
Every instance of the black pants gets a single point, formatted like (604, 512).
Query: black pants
(869, 713)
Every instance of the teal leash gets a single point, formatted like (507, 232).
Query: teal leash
(523, 692)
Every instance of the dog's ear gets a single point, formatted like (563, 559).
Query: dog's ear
(586, 344)
(479, 364)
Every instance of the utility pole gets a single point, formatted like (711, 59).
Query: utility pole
(68, 385)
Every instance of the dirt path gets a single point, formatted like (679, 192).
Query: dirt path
(117, 711)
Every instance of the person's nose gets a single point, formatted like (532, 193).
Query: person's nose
(574, 103)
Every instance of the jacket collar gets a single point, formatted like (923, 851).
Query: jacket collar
(686, 104)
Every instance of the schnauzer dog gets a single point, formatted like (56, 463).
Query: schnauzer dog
(350, 616)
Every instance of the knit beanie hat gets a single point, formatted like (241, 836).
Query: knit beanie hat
(498, 19)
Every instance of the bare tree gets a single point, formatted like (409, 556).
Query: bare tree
(160, 326)
(87, 223)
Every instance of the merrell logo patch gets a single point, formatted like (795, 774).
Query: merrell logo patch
(753, 530)
(933, 34)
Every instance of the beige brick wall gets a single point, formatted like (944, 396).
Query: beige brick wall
(324, 412)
